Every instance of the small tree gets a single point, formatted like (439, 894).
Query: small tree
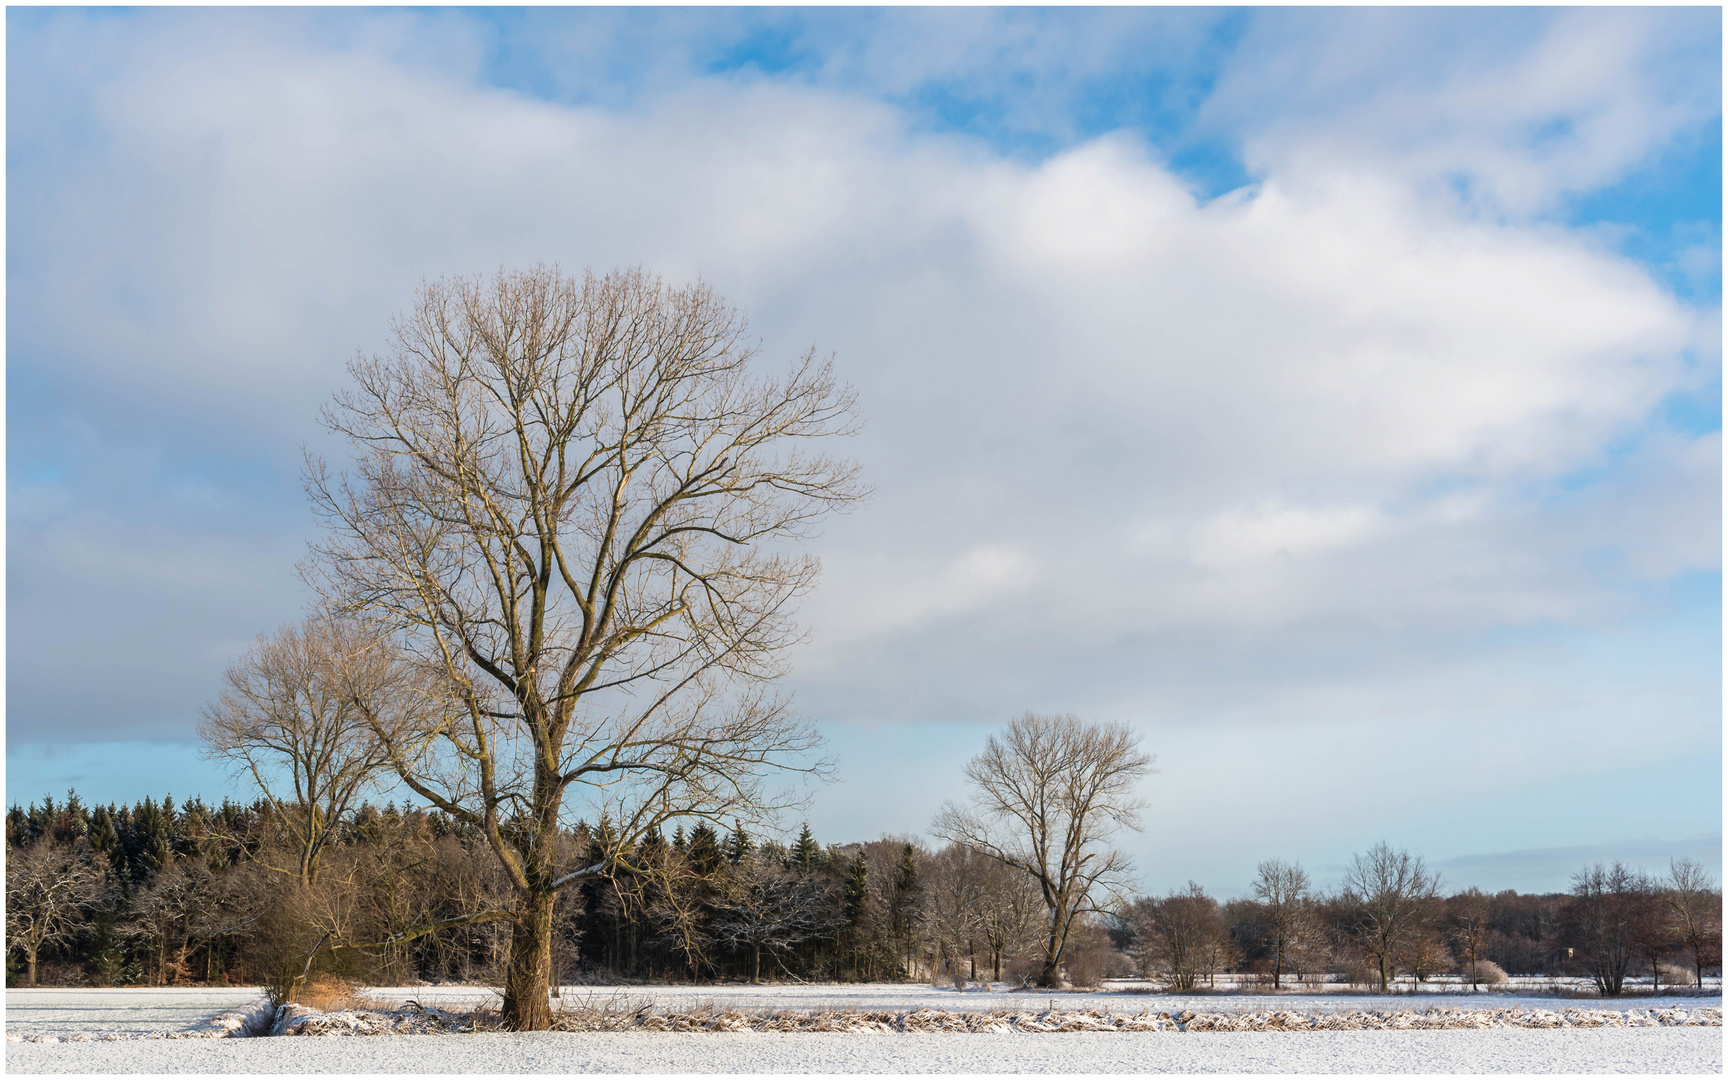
(1281, 891)
(49, 885)
(1695, 906)
(290, 717)
(1390, 896)
(1470, 925)
(766, 906)
(1047, 796)
(1600, 923)
(1182, 937)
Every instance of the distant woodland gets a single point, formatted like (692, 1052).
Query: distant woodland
(161, 894)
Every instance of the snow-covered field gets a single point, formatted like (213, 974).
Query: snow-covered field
(133, 1011)
(1647, 1050)
(1118, 997)
(84, 1014)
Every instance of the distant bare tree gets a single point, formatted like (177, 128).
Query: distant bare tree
(290, 717)
(48, 887)
(767, 906)
(1470, 926)
(1601, 923)
(1695, 906)
(1182, 937)
(570, 501)
(954, 902)
(1282, 892)
(1010, 913)
(1048, 795)
(1391, 896)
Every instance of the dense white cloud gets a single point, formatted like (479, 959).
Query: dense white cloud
(1102, 409)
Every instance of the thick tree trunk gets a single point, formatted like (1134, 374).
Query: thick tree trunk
(30, 963)
(527, 1006)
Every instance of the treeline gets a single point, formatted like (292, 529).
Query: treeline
(165, 894)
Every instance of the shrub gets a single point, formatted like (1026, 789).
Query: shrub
(1488, 973)
(1087, 955)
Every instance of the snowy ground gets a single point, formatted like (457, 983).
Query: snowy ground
(1118, 997)
(131, 1011)
(96, 1013)
(1644, 1050)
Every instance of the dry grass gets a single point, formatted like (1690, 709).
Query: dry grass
(329, 993)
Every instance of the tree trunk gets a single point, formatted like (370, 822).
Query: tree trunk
(527, 1006)
(755, 962)
(30, 962)
(1051, 976)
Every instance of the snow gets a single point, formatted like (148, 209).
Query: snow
(1121, 997)
(76, 1018)
(1660, 1050)
(122, 1011)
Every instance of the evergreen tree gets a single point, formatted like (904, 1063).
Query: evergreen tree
(738, 844)
(806, 854)
(704, 854)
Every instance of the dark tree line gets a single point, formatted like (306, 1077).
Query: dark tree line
(160, 893)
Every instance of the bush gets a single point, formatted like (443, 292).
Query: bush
(1022, 968)
(1488, 973)
(1676, 976)
(1087, 955)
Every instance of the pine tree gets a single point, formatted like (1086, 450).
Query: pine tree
(903, 908)
(807, 855)
(705, 856)
(738, 844)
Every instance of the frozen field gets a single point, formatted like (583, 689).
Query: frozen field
(1125, 997)
(1645, 1050)
(86, 1013)
(123, 1011)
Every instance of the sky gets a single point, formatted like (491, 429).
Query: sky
(1333, 395)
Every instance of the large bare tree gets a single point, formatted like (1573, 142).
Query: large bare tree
(288, 717)
(1047, 796)
(571, 500)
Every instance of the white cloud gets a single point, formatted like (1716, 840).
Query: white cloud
(1100, 409)
(1521, 108)
(1254, 536)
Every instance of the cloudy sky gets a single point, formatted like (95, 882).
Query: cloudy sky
(1335, 396)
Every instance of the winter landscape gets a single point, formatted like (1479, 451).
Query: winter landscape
(864, 540)
(756, 1029)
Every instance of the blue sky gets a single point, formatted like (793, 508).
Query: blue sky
(1332, 394)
